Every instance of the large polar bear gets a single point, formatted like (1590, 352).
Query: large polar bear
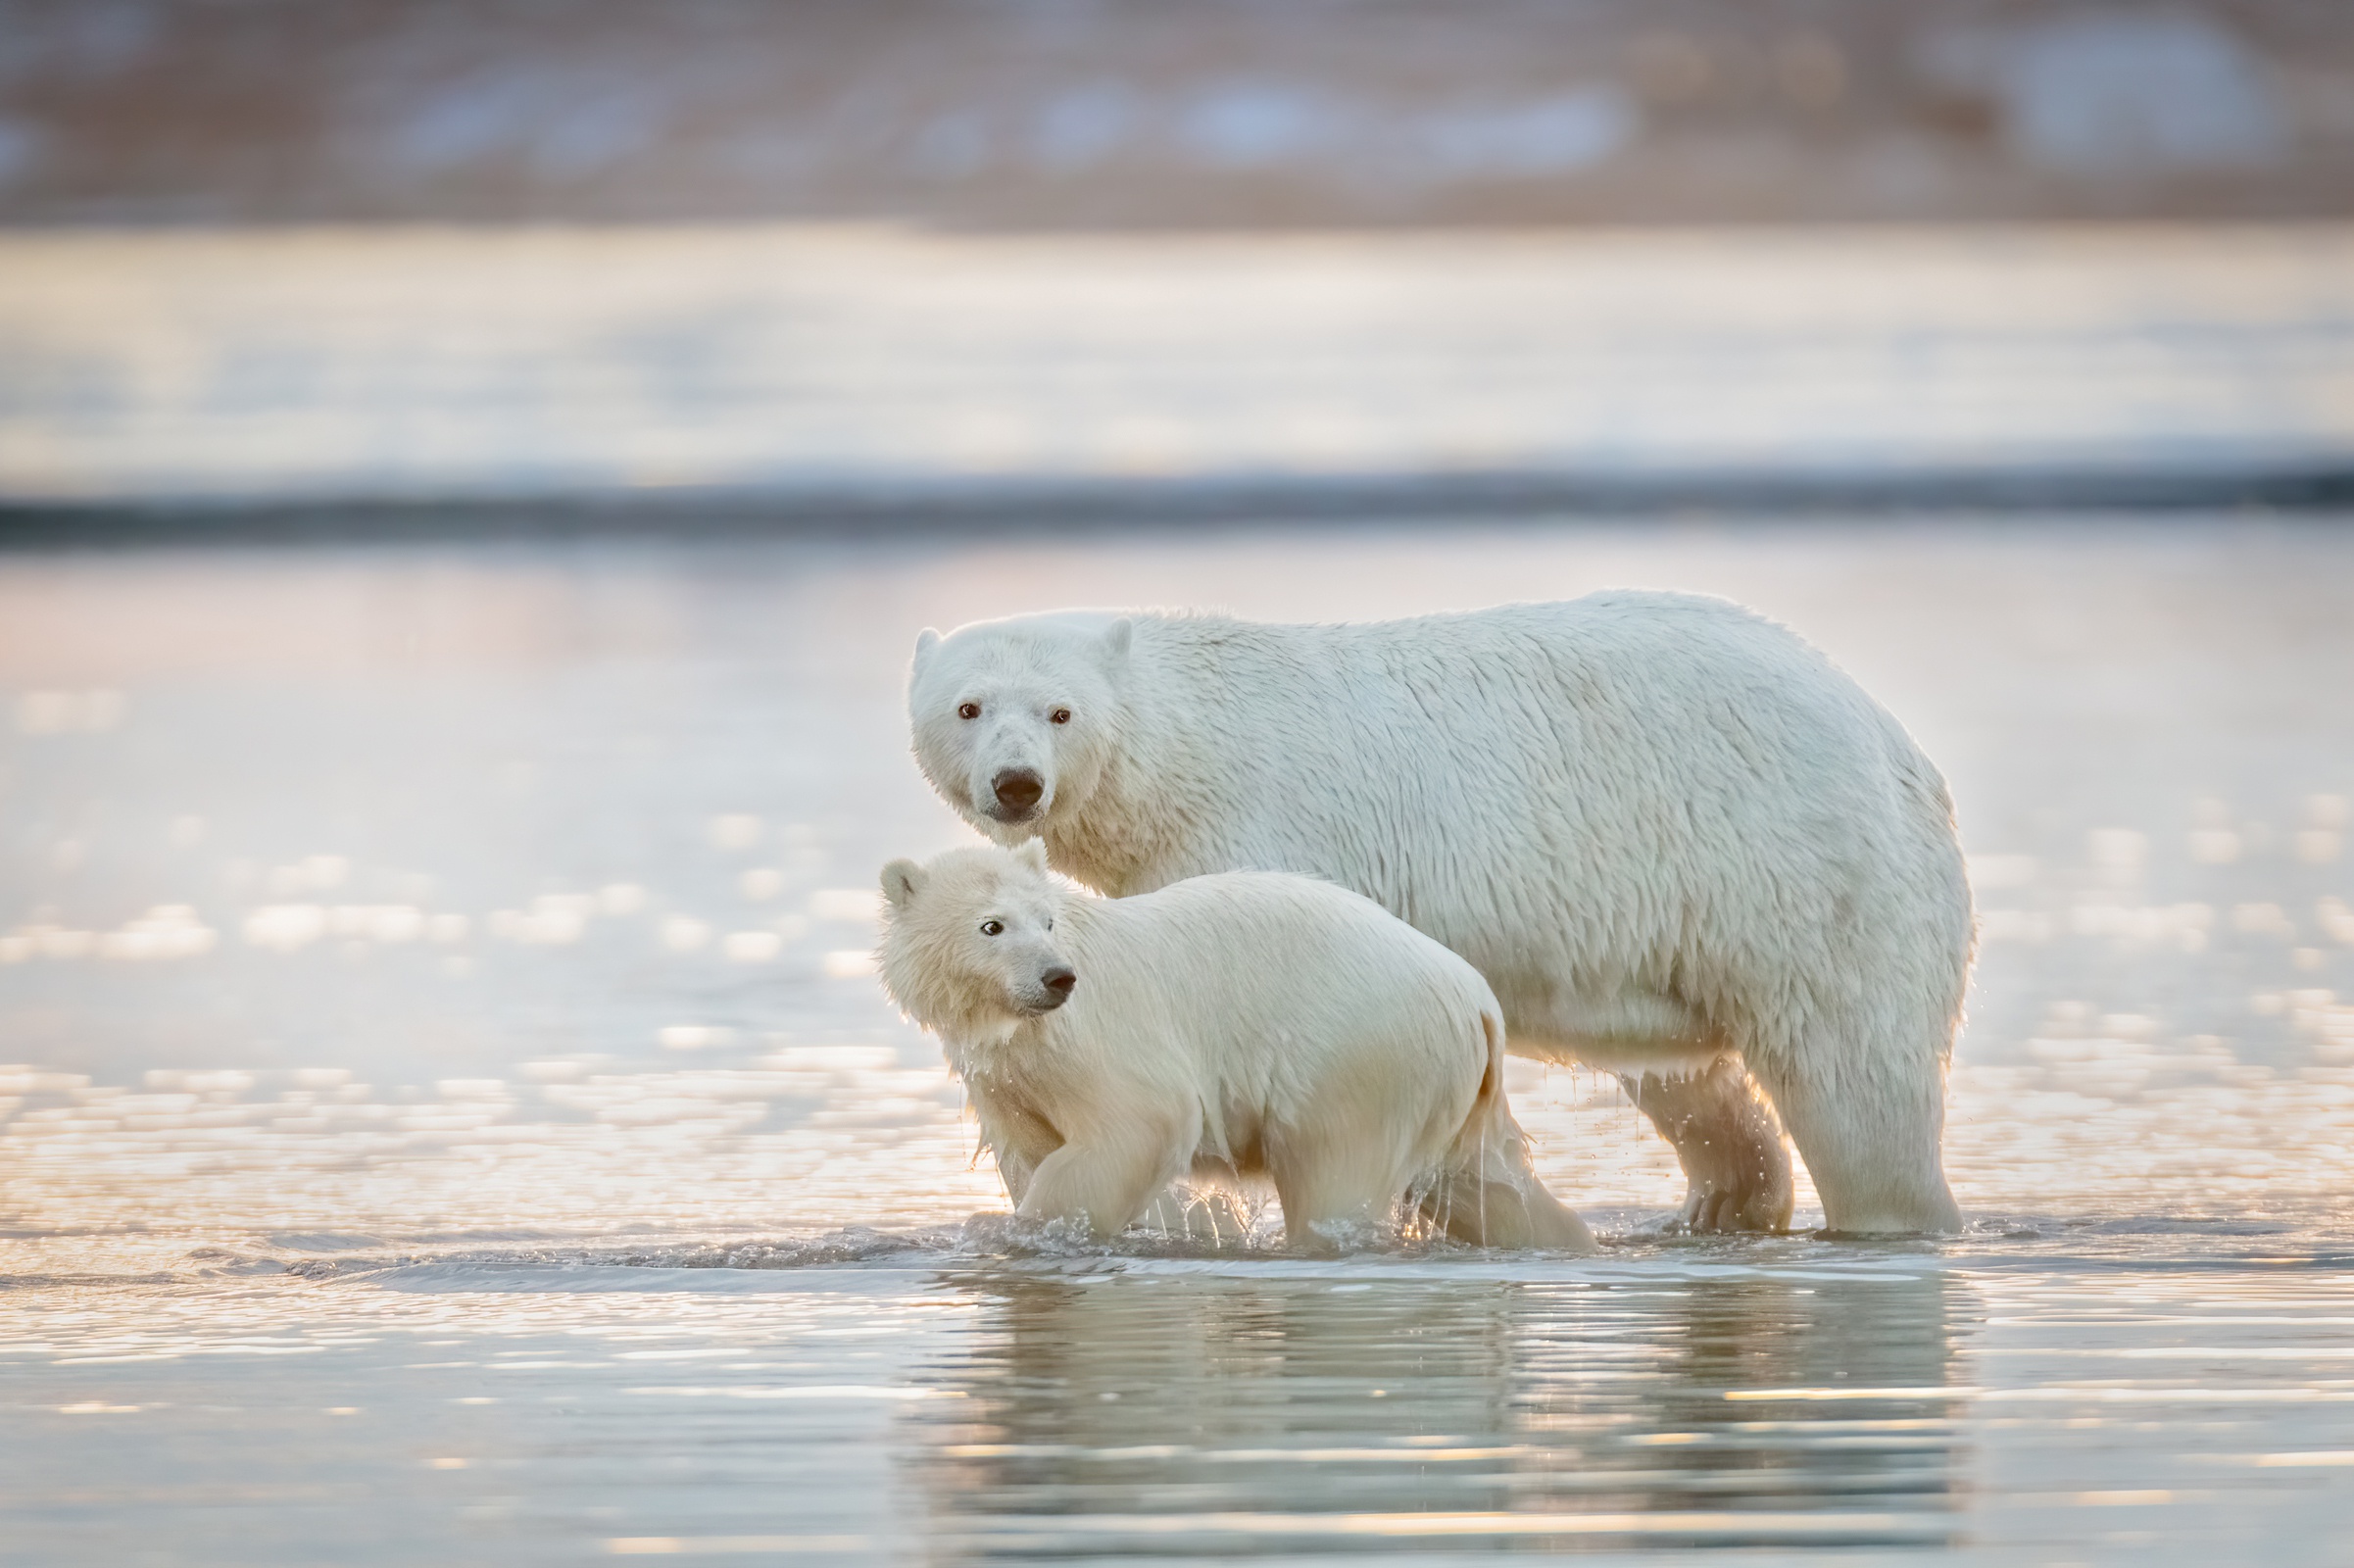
(1671, 835)
(1245, 1025)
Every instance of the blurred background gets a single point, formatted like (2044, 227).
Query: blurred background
(1070, 115)
(1009, 252)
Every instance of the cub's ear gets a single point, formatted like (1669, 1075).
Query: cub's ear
(902, 881)
(1032, 852)
(925, 641)
(1117, 638)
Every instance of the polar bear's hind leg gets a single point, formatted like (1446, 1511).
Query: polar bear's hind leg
(1680, 1071)
(1488, 1194)
(1871, 1139)
(1729, 1142)
(1337, 1191)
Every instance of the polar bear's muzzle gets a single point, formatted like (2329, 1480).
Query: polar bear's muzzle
(1053, 988)
(1015, 792)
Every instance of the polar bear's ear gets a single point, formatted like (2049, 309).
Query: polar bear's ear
(925, 641)
(1117, 638)
(1032, 852)
(902, 881)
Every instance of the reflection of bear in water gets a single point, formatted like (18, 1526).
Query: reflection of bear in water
(1168, 1401)
(1679, 844)
(1798, 1393)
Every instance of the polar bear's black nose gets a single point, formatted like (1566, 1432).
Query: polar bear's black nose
(1017, 790)
(1058, 981)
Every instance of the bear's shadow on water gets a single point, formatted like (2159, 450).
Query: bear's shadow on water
(1186, 1396)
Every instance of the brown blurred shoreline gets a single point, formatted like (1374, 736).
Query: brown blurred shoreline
(1119, 115)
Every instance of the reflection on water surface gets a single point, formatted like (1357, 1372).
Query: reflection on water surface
(1980, 1401)
(447, 1116)
(1234, 1414)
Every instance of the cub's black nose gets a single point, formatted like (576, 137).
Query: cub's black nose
(1060, 981)
(1017, 790)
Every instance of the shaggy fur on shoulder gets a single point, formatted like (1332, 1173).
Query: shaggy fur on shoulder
(1230, 1027)
(1677, 843)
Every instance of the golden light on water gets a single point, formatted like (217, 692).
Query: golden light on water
(479, 1021)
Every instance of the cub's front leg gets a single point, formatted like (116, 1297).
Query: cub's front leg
(1103, 1185)
(1016, 1137)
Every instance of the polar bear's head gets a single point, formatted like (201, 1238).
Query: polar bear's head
(1013, 721)
(969, 950)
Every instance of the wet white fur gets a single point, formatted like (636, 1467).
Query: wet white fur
(1661, 826)
(1236, 1026)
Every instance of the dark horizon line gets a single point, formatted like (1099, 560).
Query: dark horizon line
(1017, 504)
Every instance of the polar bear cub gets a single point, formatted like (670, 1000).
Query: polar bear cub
(1244, 1025)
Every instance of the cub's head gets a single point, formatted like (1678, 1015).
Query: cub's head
(969, 950)
(1013, 721)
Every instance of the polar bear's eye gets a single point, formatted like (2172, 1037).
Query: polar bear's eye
(968, 710)
(993, 928)
(1061, 715)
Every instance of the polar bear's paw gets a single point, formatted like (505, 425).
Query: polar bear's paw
(1763, 1206)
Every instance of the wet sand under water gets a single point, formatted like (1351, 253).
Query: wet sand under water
(449, 1119)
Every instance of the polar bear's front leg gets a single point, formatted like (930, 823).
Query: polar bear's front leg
(1729, 1142)
(1103, 1186)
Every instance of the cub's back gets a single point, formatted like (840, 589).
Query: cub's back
(1277, 950)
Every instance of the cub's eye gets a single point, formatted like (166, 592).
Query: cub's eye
(1061, 715)
(968, 710)
(993, 928)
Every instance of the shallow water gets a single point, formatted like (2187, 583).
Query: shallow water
(500, 361)
(450, 1119)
